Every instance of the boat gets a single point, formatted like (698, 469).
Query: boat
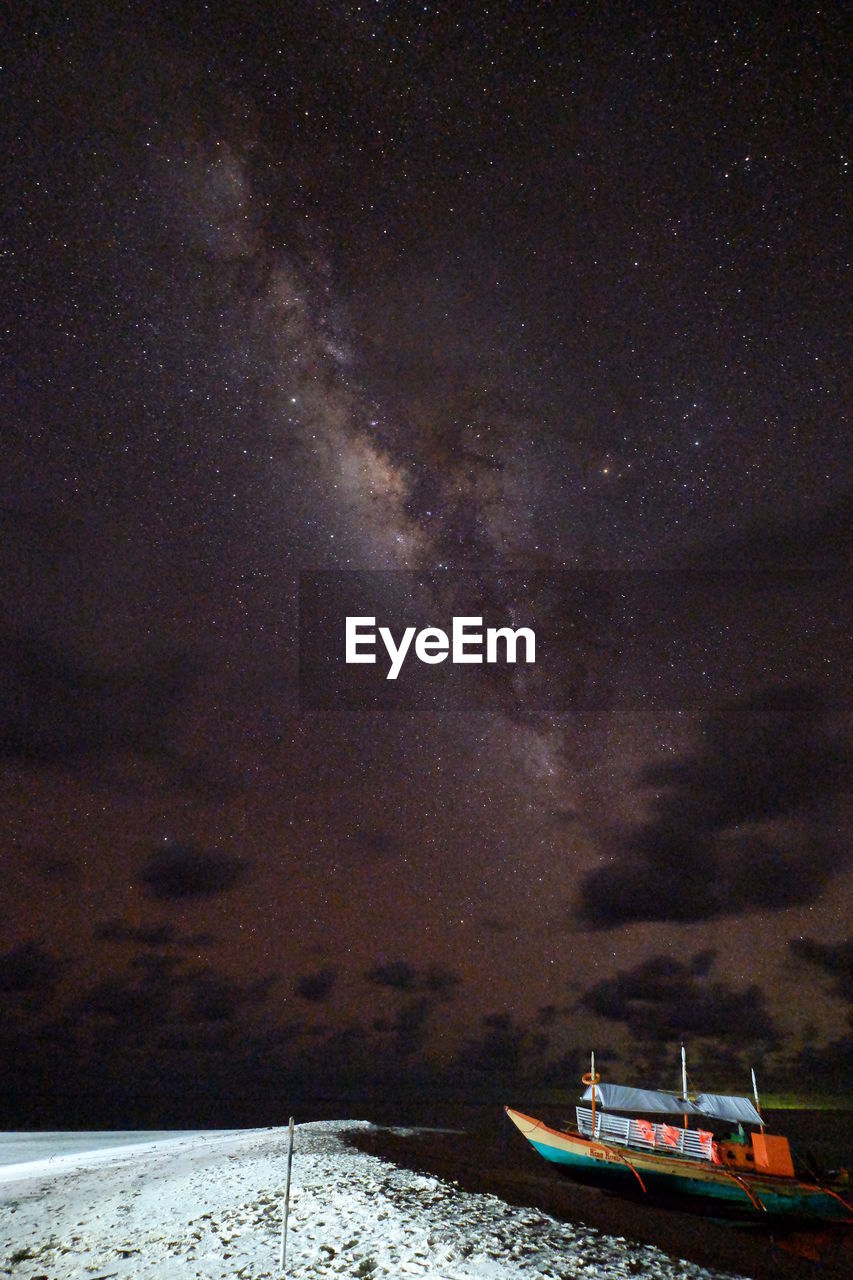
(707, 1152)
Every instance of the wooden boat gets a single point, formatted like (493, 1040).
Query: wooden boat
(730, 1167)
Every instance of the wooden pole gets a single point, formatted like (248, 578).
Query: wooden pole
(286, 1197)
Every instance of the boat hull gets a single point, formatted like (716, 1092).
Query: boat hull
(696, 1184)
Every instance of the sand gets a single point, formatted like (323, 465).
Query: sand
(210, 1205)
(494, 1158)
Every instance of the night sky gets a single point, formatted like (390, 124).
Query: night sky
(528, 311)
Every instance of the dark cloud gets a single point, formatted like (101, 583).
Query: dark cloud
(373, 842)
(565, 816)
(55, 709)
(136, 1007)
(59, 711)
(58, 870)
(505, 1052)
(212, 998)
(440, 980)
(399, 975)
(117, 931)
(500, 1048)
(835, 959)
(744, 822)
(828, 1066)
(158, 935)
(495, 924)
(407, 1031)
(819, 541)
(155, 963)
(317, 986)
(186, 871)
(195, 941)
(157, 996)
(340, 1058)
(28, 970)
(664, 999)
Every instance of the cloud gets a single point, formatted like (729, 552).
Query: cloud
(59, 711)
(158, 935)
(565, 815)
(497, 924)
(28, 970)
(373, 843)
(820, 541)
(829, 1066)
(835, 959)
(57, 869)
(156, 997)
(408, 1029)
(153, 936)
(664, 999)
(399, 975)
(155, 964)
(440, 981)
(212, 998)
(744, 822)
(547, 1014)
(317, 986)
(186, 871)
(504, 1051)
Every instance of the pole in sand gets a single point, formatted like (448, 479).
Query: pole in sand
(286, 1197)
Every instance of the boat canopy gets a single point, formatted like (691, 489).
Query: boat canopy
(718, 1106)
(725, 1106)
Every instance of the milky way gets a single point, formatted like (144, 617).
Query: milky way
(534, 316)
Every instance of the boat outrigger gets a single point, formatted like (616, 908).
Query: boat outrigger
(649, 1143)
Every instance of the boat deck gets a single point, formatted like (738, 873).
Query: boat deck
(696, 1144)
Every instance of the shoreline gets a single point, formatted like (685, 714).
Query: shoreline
(71, 1161)
(518, 1176)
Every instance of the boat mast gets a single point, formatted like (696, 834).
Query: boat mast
(684, 1080)
(755, 1095)
(591, 1079)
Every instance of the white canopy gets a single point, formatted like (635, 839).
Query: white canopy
(620, 1097)
(727, 1107)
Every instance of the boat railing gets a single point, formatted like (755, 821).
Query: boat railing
(628, 1132)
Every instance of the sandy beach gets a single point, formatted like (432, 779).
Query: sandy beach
(210, 1205)
(485, 1157)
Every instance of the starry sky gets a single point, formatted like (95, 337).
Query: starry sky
(523, 311)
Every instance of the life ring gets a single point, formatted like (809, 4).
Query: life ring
(589, 1078)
